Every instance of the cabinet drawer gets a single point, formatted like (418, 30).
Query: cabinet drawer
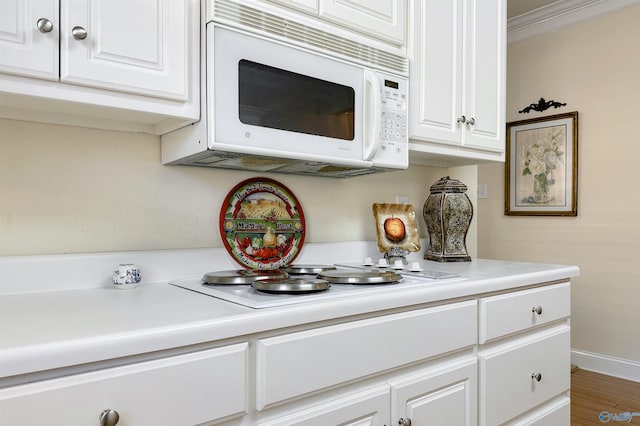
(506, 384)
(508, 313)
(298, 363)
(180, 390)
(557, 413)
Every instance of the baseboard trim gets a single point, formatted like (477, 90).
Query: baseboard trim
(605, 364)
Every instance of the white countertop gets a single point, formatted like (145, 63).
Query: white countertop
(47, 330)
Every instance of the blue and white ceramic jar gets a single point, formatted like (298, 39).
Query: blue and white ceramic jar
(127, 275)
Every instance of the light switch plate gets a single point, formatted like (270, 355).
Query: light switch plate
(483, 190)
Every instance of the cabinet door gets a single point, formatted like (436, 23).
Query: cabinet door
(485, 74)
(309, 6)
(436, 72)
(24, 49)
(457, 78)
(367, 408)
(385, 19)
(134, 46)
(443, 395)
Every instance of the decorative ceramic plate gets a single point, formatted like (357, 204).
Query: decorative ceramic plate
(262, 224)
(396, 227)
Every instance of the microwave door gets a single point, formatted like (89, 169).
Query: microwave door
(277, 100)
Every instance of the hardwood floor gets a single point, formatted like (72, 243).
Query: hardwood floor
(593, 393)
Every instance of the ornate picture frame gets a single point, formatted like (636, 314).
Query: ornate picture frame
(541, 166)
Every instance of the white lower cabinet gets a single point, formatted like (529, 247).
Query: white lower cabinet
(443, 394)
(500, 359)
(186, 389)
(524, 370)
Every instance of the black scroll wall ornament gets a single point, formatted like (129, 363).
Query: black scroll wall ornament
(542, 105)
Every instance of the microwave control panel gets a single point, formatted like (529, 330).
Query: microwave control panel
(393, 124)
(394, 141)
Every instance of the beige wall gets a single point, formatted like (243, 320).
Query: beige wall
(70, 190)
(593, 67)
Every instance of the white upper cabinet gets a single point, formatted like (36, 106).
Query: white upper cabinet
(457, 79)
(121, 64)
(385, 19)
(381, 19)
(136, 46)
(29, 32)
(309, 6)
(484, 76)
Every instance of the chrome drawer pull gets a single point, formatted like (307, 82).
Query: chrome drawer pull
(537, 310)
(109, 417)
(536, 376)
(404, 422)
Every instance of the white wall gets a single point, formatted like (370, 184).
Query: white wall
(76, 190)
(593, 67)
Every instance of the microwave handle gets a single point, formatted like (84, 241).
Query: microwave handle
(372, 100)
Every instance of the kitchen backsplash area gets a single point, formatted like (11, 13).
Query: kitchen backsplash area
(76, 190)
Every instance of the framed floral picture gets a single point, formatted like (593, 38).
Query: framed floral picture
(541, 168)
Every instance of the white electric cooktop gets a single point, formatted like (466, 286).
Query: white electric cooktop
(246, 295)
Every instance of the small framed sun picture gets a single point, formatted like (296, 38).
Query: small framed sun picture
(541, 167)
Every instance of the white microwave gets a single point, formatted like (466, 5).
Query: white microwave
(276, 106)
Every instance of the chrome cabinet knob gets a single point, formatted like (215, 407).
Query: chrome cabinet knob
(44, 25)
(109, 417)
(536, 376)
(471, 121)
(462, 119)
(537, 310)
(79, 33)
(404, 422)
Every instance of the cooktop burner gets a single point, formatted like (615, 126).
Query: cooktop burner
(297, 269)
(241, 276)
(292, 285)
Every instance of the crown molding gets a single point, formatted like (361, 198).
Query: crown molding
(559, 14)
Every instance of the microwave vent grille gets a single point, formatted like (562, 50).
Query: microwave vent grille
(246, 17)
(256, 163)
